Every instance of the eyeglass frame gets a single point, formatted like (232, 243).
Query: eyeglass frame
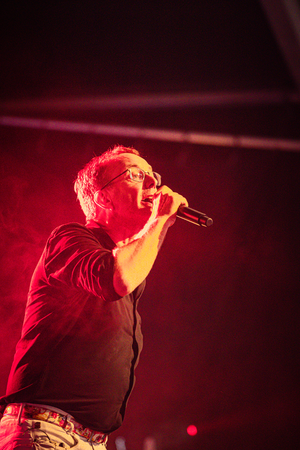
(156, 176)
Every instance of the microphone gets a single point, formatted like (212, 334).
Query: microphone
(196, 217)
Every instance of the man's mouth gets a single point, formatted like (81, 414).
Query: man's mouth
(148, 200)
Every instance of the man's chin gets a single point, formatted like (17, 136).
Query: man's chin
(144, 216)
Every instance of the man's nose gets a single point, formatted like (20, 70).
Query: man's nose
(150, 181)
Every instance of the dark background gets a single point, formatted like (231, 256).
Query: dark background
(221, 308)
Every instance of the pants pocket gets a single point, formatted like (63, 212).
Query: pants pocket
(14, 436)
(47, 436)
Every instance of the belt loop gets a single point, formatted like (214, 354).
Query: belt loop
(68, 423)
(20, 413)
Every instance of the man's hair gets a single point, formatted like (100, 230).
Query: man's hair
(94, 175)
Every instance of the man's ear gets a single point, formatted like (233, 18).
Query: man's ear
(102, 199)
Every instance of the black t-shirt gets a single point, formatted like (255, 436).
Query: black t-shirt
(80, 340)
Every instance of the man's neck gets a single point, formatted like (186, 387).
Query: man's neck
(120, 234)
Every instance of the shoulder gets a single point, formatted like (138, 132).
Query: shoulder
(71, 233)
(72, 227)
(76, 233)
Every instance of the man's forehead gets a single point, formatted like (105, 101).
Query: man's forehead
(130, 159)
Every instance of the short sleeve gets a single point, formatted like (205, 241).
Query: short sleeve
(74, 257)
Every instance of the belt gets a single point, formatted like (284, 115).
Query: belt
(64, 421)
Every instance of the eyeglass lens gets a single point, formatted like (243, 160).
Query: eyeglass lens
(139, 175)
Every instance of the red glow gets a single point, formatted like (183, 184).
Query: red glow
(192, 430)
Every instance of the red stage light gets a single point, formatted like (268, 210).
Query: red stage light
(192, 430)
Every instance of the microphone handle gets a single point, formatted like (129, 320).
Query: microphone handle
(196, 217)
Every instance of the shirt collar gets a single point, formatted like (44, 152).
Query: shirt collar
(100, 233)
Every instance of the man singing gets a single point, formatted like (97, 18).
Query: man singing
(73, 369)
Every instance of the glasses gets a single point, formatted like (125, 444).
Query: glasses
(137, 175)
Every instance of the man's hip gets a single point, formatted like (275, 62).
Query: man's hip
(40, 427)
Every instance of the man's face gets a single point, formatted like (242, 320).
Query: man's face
(131, 200)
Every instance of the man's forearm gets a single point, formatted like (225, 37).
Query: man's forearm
(134, 261)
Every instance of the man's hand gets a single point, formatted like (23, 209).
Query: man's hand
(166, 203)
